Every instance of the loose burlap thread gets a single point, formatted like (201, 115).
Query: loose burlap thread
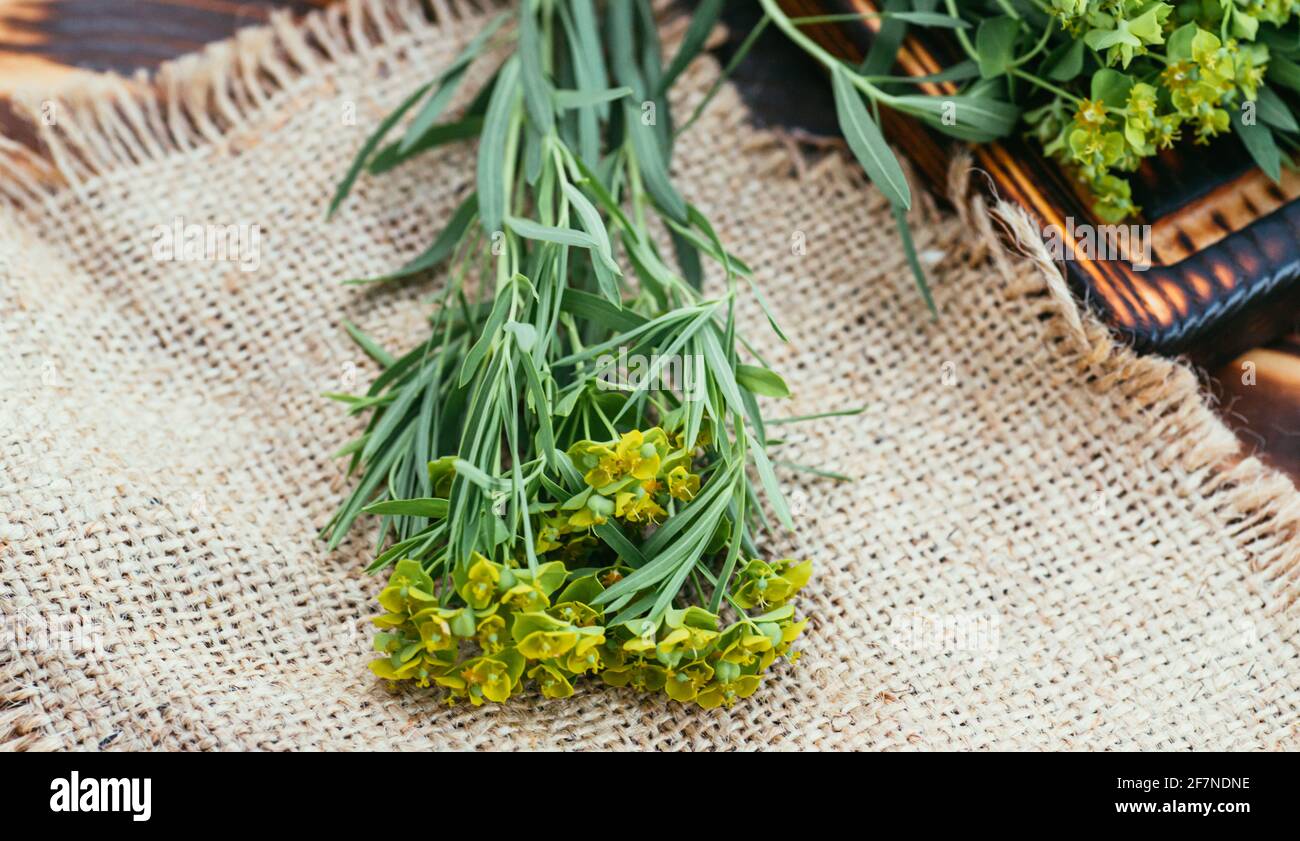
(1049, 542)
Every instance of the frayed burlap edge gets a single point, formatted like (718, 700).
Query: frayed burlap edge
(110, 124)
(1260, 502)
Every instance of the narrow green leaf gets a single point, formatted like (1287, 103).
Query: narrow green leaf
(369, 345)
(733, 554)
(591, 222)
(616, 540)
(537, 94)
(607, 271)
(1274, 110)
(770, 486)
(1065, 62)
(702, 224)
(448, 83)
(588, 43)
(392, 156)
(976, 119)
(535, 154)
(883, 52)
(480, 479)
(528, 229)
(496, 319)
(959, 72)
(704, 18)
(816, 471)
(867, 143)
(762, 381)
(367, 148)
(1284, 72)
(737, 57)
(568, 100)
(842, 413)
(918, 274)
(716, 490)
(1258, 140)
(541, 408)
(933, 19)
(687, 253)
(441, 249)
(669, 591)
(591, 182)
(721, 370)
(415, 545)
(492, 150)
(431, 111)
(654, 169)
(594, 308)
(393, 423)
(620, 27)
(432, 507)
(767, 311)
(710, 245)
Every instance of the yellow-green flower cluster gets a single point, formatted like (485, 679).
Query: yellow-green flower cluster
(495, 622)
(690, 659)
(636, 479)
(1188, 84)
(492, 627)
(687, 657)
(500, 627)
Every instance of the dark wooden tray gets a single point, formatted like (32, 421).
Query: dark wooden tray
(1225, 240)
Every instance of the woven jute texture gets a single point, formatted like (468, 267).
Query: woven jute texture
(1050, 543)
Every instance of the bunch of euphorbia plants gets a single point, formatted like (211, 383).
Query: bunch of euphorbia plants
(545, 514)
(1102, 84)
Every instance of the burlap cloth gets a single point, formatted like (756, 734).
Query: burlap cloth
(164, 454)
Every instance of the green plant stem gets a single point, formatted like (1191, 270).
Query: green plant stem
(741, 52)
(784, 23)
(1038, 47)
(961, 36)
(1047, 86)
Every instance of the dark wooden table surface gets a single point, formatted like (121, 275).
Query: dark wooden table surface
(46, 42)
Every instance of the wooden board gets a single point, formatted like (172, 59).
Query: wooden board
(1259, 395)
(46, 42)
